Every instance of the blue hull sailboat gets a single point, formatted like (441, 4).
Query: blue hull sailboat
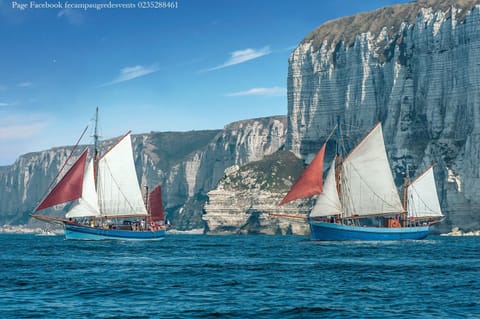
(359, 200)
(329, 231)
(105, 198)
(83, 232)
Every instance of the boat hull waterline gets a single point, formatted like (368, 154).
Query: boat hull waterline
(323, 231)
(80, 232)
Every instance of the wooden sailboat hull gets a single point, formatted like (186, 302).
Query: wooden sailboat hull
(329, 231)
(83, 232)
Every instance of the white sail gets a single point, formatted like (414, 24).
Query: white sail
(368, 187)
(422, 198)
(87, 205)
(327, 202)
(118, 190)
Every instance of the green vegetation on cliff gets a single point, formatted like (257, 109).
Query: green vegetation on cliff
(174, 147)
(347, 28)
(276, 173)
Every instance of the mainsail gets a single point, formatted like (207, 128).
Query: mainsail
(70, 186)
(422, 198)
(117, 186)
(368, 187)
(310, 182)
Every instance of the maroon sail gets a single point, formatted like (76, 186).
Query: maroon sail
(69, 187)
(155, 203)
(310, 182)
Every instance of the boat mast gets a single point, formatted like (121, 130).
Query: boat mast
(405, 185)
(95, 153)
(147, 206)
(95, 148)
(338, 162)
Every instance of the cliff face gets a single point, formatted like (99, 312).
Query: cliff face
(25, 182)
(187, 182)
(413, 67)
(187, 164)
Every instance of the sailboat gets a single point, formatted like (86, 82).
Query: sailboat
(105, 198)
(359, 199)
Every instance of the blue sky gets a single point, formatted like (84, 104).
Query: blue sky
(200, 66)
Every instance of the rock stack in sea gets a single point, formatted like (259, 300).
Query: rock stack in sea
(246, 199)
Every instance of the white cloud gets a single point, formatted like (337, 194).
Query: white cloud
(20, 127)
(273, 91)
(4, 104)
(132, 72)
(74, 17)
(25, 84)
(241, 56)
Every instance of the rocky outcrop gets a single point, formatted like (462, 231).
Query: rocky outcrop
(456, 232)
(247, 198)
(187, 164)
(414, 67)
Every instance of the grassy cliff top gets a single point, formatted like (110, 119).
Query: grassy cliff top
(276, 173)
(392, 17)
(174, 147)
(264, 120)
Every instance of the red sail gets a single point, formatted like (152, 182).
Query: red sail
(155, 204)
(69, 187)
(310, 182)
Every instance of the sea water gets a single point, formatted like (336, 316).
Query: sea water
(196, 276)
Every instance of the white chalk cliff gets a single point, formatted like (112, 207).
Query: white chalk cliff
(415, 68)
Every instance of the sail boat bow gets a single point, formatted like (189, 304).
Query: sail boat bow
(359, 200)
(106, 199)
